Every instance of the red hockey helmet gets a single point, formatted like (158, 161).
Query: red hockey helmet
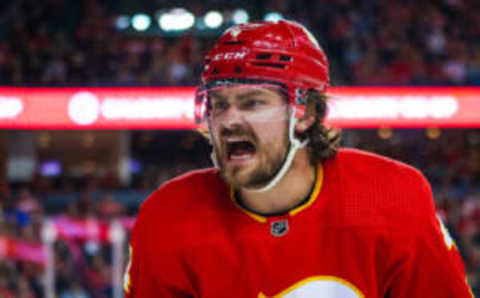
(282, 52)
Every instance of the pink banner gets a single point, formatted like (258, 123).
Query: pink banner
(404, 107)
(66, 228)
(89, 229)
(172, 107)
(19, 250)
(96, 108)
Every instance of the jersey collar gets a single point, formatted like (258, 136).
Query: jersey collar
(313, 196)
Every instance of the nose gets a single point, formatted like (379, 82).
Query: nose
(232, 117)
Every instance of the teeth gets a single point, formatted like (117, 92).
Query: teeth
(243, 156)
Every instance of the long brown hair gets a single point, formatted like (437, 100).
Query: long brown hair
(323, 141)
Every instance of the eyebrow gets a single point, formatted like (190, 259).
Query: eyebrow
(249, 94)
(240, 96)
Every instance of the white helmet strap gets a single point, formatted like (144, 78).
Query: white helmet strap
(295, 144)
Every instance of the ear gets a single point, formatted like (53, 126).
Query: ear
(307, 120)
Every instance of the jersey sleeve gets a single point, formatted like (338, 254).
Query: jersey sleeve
(428, 263)
(148, 274)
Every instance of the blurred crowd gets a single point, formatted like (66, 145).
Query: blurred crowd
(83, 267)
(389, 42)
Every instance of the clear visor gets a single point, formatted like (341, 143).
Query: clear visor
(226, 103)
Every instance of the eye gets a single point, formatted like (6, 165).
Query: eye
(218, 106)
(250, 104)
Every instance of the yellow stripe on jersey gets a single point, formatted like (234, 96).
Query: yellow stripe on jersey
(256, 217)
(126, 277)
(449, 242)
(315, 192)
(311, 199)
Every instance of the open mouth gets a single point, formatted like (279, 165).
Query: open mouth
(239, 150)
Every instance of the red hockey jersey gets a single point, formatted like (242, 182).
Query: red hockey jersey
(369, 229)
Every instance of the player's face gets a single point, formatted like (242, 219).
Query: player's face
(249, 129)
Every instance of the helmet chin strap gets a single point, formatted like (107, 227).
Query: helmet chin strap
(214, 159)
(295, 144)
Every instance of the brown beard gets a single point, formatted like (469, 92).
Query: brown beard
(264, 172)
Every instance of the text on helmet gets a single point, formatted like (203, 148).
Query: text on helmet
(229, 56)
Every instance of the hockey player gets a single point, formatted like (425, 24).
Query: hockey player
(285, 213)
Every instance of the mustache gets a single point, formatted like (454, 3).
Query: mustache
(237, 132)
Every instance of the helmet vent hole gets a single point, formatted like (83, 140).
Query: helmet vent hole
(263, 56)
(234, 42)
(273, 65)
(215, 71)
(285, 58)
(238, 69)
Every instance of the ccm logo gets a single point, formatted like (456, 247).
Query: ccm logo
(230, 56)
